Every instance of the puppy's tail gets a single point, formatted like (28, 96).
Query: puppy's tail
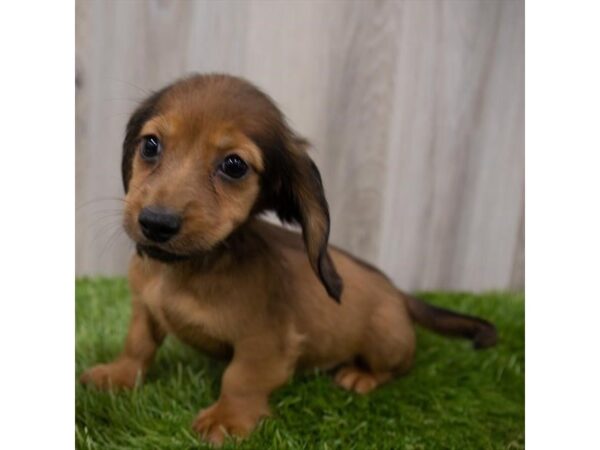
(449, 323)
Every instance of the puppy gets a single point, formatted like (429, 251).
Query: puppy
(202, 158)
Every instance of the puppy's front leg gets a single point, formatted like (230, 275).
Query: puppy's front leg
(143, 338)
(259, 366)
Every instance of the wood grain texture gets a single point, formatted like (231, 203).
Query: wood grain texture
(415, 110)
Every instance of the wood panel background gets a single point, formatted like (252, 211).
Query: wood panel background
(415, 110)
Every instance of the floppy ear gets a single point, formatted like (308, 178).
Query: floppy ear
(301, 199)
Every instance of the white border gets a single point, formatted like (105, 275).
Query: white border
(562, 224)
(37, 224)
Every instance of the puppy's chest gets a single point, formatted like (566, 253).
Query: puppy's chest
(193, 316)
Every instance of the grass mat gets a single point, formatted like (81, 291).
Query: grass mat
(454, 397)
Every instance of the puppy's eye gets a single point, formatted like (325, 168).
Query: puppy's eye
(233, 166)
(151, 148)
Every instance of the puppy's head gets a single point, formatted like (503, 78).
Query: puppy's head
(203, 155)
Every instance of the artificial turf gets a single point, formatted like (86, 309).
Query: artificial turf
(453, 398)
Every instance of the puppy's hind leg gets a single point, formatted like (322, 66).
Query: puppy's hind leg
(387, 350)
(359, 380)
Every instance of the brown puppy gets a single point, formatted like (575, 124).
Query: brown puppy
(201, 159)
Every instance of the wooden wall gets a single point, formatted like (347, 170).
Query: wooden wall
(415, 110)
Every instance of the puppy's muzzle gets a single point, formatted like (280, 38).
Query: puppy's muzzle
(159, 224)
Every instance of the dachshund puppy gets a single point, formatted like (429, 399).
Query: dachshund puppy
(202, 158)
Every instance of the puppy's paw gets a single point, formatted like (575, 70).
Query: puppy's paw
(221, 420)
(120, 374)
(359, 380)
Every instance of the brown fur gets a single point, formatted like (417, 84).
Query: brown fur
(239, 287)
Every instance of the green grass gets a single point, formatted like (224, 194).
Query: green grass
(454, 398)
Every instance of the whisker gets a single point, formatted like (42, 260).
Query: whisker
(143, 90)
(98, 214)
(100, 199)
(112, 239)
(101, 229)
(122, 99)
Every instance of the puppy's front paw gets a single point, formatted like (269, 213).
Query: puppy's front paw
(222, 420)
(118, 374)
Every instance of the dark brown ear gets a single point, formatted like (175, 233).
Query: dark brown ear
(301, 198)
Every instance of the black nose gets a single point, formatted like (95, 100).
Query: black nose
(159, 224)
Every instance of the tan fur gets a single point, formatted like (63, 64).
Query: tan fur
(249, 290)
